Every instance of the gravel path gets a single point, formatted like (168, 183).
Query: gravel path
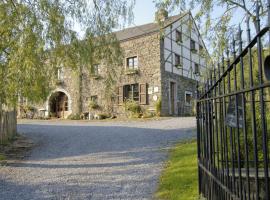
(98, 160)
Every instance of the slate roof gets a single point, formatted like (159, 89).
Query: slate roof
(145, 29)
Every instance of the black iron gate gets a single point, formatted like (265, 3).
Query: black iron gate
(233, 121)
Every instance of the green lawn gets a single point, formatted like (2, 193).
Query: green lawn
(179, 179)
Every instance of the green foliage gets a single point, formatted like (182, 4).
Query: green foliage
(36, 38)
(103, 115)
(217, 27)
(74, 117)
(247, 137)
(93, 105)
(133, 107)
(179, 179)
(27, 111)
(158, 107)
(147, 114)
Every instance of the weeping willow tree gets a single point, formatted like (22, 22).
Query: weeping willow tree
(218, 19)
(37, 37)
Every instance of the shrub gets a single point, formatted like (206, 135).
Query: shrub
(93, 105)
(103, 115)
(147, 114)
(133, 107)
(74, 117)
(28, 111)
(158, 107)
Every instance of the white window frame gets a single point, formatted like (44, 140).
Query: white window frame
(188, 92)
(60, 73)
(191, 46)
(96, 71)
(132, 67)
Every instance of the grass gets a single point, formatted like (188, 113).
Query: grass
(179, 179)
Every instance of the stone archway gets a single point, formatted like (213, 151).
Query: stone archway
(58, 104)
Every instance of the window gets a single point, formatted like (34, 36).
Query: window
(188, 97)
(178, 36)
(60, 73)
(177, 61)
(96, 69)
(197, 69)
(132, 62)
(192, 45)
(94, 98)
(66, 105)
(131, 92)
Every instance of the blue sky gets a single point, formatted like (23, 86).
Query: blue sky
(144, 12)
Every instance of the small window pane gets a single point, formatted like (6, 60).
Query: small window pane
(178, 36)
(197, 69)
(177, 60)
(136, 62)
(192, 45)
(94, 98)
(132, 62)
(188, 98)
(131, 92)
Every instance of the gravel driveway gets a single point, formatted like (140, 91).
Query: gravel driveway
(97, 160)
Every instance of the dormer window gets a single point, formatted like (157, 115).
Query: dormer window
(178, 36)
(132, 63)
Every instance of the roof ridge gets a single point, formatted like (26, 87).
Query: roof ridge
(148, 28)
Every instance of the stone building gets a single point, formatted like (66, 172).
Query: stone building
(158, 64)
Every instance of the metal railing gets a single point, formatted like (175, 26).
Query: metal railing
(233, 122)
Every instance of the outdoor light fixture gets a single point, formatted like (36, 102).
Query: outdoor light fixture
(267, 67)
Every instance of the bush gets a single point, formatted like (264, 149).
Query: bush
(74, 117)
(103, 116)
(147, 114)
(28, 111)
(133, 107)
(158, 107)
(93, 105)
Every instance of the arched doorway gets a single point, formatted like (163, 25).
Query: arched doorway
(59, 105)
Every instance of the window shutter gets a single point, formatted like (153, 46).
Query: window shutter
(120, 95)
(143, 94)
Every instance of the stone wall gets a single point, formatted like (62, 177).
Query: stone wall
(68, 85)
(151, 71)
(147, 49)
(182, 85)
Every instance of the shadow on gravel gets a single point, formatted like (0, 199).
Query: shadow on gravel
(62, 191)
(54, 142)
(89, 162)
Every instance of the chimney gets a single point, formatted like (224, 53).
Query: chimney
(161, 15)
